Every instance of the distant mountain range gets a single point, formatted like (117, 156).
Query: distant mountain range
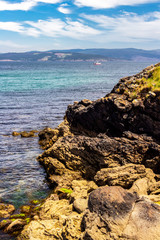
(95, 54)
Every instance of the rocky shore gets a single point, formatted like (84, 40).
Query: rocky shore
(103, 162)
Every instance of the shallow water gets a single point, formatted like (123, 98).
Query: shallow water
(36, 95)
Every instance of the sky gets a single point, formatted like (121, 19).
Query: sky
(27, 25)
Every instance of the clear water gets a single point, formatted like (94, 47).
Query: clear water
(36, 95)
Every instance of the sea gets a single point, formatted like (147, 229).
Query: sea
(35, 95)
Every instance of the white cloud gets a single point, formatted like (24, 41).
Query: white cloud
(63, 9)
(128, 27)
(11, 26)
(100, 4)
(57, 28)
(52, 28)
(25, 5)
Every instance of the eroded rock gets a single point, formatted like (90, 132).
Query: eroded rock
(123, 176)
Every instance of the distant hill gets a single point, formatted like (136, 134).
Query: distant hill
(123, 54)
(94, 54)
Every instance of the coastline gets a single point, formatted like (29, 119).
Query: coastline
(96, 146)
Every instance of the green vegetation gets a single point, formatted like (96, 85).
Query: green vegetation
(36, 202)
(28, 220)
(144, 87)
(21, 215)
(4, 221)
(154, 81)
(13, 219)
(37, 208)
(65, 190)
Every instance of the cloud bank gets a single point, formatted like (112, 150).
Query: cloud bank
(102, 4)
(24, 5)
(128, 26)
(52, 28)
(27, 5)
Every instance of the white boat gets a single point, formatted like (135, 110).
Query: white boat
(97, 63)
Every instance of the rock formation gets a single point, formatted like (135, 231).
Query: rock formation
(100, 147)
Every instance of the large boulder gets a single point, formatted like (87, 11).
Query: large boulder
(114, 213)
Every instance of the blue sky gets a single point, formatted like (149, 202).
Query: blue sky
(27, 25)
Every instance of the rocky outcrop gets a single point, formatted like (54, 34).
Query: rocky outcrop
(76, 157)
(112, 142)
(129, 107)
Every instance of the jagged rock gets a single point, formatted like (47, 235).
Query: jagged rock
(117, 214)
(68, 228)
(57, 221)
(42, 230)
(123, 176)
(64, 181)
(6, 210)
(72, 228)
(86, 155)
(53, 166)
(45, 137)
(119, 111)
(55, 209)
(49, 136)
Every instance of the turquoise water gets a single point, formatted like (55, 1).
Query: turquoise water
(36, 95)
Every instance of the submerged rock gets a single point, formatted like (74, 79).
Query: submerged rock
(25, 134)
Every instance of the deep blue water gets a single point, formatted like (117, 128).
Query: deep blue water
(36, 95)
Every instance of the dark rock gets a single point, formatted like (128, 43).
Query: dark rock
(118, 112)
